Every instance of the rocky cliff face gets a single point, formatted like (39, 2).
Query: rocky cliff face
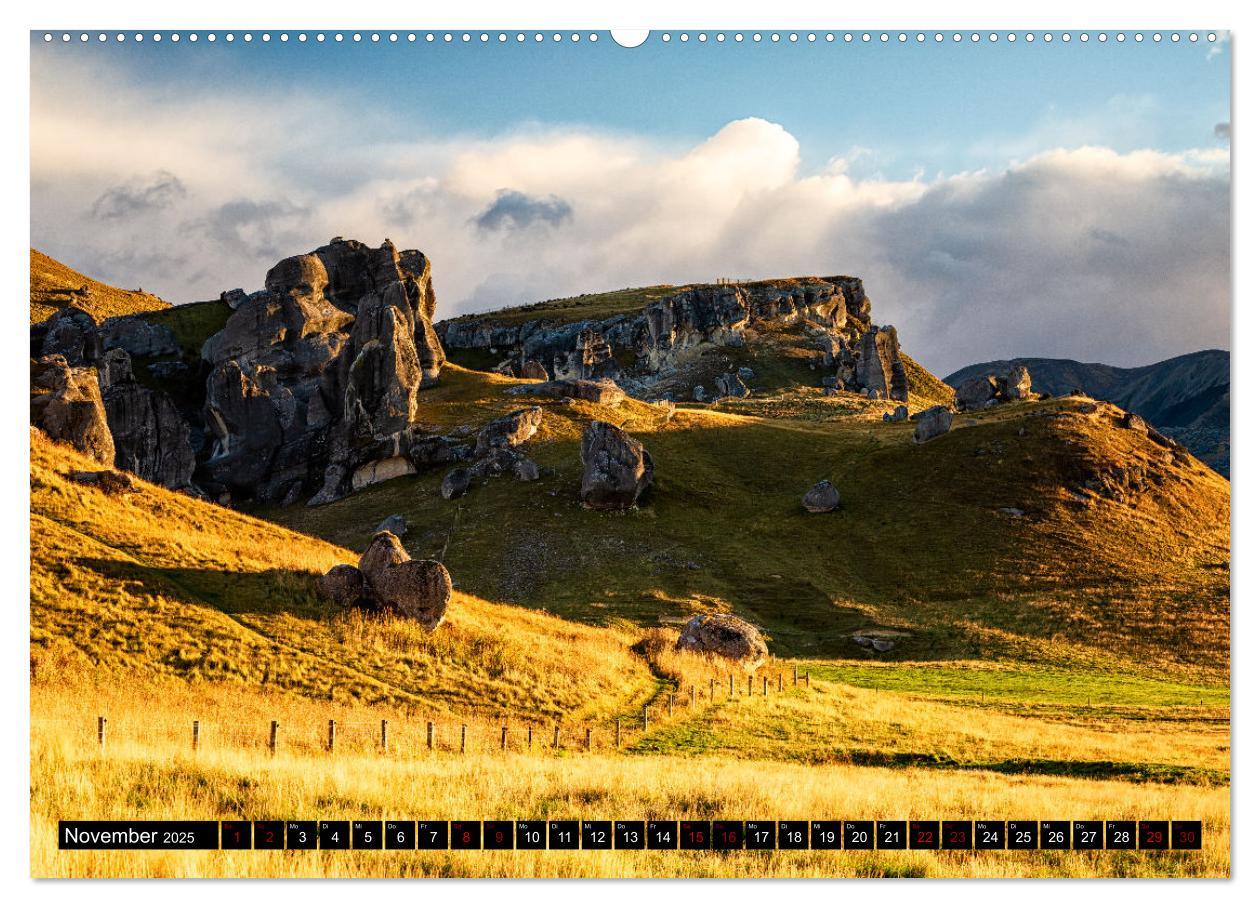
(640, 350)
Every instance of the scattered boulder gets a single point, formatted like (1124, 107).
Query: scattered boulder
(456, 483)
(71, 334)
(618, 469)
(389, 580)
(932, 423)
(976, 393)
(698, 394)
(900, 413)
(1134, 422)
(1018, 383)
(509, 431)
(821, 498)
(138, 336)
(745, 373)
(525, 470)
(394, 523)
(66, 404)
(724, 636)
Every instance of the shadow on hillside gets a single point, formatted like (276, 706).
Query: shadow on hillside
(231, 592)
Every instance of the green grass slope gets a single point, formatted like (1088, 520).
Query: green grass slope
(1034, 531)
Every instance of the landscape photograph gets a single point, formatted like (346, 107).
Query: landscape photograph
(790, 433)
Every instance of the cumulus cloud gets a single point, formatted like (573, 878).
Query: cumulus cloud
(1080, 252)
(160, 190)
(512, 210)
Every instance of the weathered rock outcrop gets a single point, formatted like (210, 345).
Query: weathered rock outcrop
(73, 335)
(618, 469)
(605, 391)
(821, 498)
(66, 403)
(313, 382)
(508, 431)
(724, 636)
(151, 439)
(641, 349)
(387, 579)
(878, 370)
(990, 390)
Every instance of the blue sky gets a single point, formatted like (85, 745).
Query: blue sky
(963, 181)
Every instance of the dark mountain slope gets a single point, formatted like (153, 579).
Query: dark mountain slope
(1187, 396)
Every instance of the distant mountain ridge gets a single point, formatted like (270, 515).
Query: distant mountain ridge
(1186, 397)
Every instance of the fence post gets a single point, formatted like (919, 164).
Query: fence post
(750, 679)
(463, 738)
(693, 695)
(332, 735)
(588, 739)
(429, 735)
(555, 739)
(807, 679)
(780, 682)
(765, 686)
(617, 734)
(529, 737)
(503, 739)
(100, 731)
(670, 701)
(645, 718)
(196, 733)
(732, 688)
(711, 682)
(795, 675)
(271, 739)
(384, 736)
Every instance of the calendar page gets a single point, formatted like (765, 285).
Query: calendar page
(744, 453)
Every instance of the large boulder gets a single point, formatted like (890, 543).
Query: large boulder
(456, 483)
(731, 385)
(932, 423)
(1018, 383)
(534, 371)
(138, 336)
(388, 579)
(821, 498)
(394, 523)
(618, 469)
(66, 404)
(726, 637)
(509, 431)
(989, 390)
(347, 587)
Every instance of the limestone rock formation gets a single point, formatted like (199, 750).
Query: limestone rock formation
(534, 370)
(456, 483)
(989, 390)
(821, 498)
(900, 413)
(314, 381)
(71, 334)
(66, 403)
(151, 439)
(618, 469)
(879, 371)
(731, 385)
(604, 391)
(932, 423)
(387, 579)
(724, 636)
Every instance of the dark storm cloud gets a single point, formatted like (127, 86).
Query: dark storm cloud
(139, 195)
(515, 210)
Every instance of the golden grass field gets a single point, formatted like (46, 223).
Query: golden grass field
(1072, 663)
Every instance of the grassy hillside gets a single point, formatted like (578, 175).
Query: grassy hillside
(55, 286)
(1034, 531)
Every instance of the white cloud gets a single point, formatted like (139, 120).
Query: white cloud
(1079, 252)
